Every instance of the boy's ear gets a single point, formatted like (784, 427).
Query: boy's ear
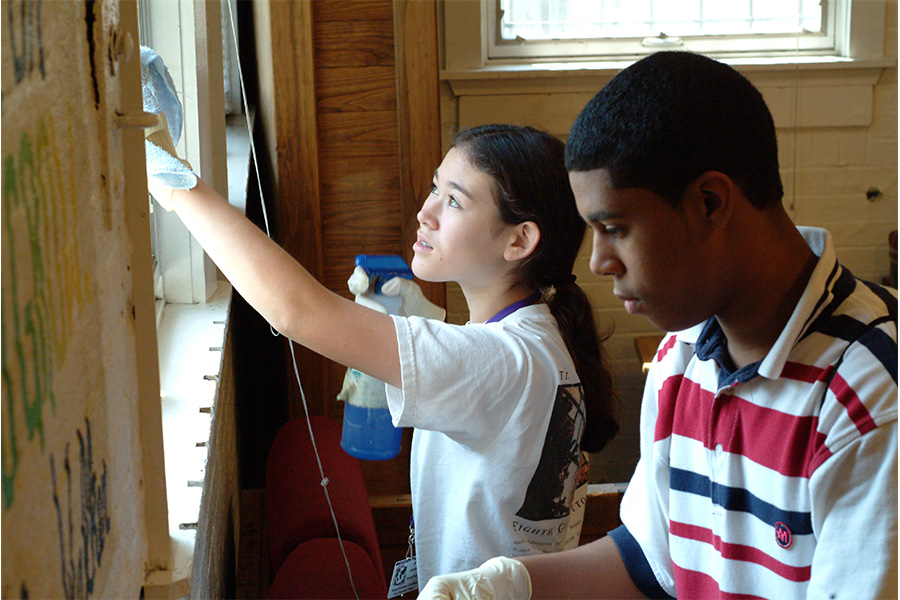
(526, 237)
(715, 195)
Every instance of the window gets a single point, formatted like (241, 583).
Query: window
(553, 28)
(510, 33)
(196, 41)
(183, 272)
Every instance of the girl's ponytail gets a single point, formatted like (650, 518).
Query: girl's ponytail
(575, 317)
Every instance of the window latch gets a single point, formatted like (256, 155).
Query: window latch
(662, 41)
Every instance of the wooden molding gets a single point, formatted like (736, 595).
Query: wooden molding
(298, 212)
(418, 118)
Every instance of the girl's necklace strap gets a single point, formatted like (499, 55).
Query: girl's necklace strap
(532, 299)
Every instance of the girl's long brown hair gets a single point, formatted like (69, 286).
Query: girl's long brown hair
(528, 167)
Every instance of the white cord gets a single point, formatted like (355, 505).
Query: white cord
(262, 202)
(247, 115)
(322, 471)
(796, 111)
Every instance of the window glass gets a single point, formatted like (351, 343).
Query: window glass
(557, 28)
(577, 19)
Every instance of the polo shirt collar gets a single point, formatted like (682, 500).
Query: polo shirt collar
(816, 298)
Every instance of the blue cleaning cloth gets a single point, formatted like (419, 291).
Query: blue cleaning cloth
(160, 98)
(159, 91)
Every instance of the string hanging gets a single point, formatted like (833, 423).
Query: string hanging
(324, 480)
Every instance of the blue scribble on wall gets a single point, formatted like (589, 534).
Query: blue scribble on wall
(82, 535)
(25, 34)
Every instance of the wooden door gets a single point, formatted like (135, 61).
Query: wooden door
(350, 103)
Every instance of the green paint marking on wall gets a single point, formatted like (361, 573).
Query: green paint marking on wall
(45, 287)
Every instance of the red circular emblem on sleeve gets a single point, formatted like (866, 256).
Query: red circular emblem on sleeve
(783, 535)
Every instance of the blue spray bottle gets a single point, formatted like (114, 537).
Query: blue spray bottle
(368, 432)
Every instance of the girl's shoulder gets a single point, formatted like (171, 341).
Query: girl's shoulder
(527, 329)
(535, 328)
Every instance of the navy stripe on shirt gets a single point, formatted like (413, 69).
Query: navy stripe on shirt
(636, 563)
(739, 499)
(835, 270)
(841, 289)
(877, 341)
(889, 301)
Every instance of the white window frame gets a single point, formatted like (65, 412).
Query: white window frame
(469, 28)
(233, 96)
(185, 275)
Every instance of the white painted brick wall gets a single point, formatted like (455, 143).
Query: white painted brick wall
(827, 172)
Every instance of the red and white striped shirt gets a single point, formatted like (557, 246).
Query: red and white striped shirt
(778, 480)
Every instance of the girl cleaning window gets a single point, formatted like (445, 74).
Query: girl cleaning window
(503, 406)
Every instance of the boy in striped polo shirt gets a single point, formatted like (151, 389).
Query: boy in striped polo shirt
(769, 422)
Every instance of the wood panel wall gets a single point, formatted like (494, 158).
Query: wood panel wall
(350, 102)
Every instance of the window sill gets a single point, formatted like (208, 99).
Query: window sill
(825, 92)
(191, 338)
(575, 77)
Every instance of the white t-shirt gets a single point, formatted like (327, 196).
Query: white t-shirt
(495, 460)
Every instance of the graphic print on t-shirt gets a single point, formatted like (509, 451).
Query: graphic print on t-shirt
(549, 493)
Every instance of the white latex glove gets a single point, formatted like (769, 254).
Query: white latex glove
(358, 282)
(359, 286)
(498, 578)
(414, 301)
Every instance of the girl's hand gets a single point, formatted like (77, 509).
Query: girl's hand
(359, 285)
(414, 301)
(499, 578)
(165, 171)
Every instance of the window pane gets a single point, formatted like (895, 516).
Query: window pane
(589, 19)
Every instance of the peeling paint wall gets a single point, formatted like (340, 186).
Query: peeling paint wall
(72, 507)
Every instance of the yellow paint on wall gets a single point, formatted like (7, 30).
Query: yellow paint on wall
(46, 284)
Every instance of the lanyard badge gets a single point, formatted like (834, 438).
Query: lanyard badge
(406, 576)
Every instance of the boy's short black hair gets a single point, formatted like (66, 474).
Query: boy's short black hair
(669, 118)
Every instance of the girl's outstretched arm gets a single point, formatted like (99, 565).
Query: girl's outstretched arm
(283, 292)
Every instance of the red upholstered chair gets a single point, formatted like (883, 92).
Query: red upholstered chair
(300, 527)
(316, 569)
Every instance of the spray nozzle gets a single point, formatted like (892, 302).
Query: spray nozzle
(382, 268)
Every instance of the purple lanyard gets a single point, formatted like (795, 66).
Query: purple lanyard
(532, 299)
